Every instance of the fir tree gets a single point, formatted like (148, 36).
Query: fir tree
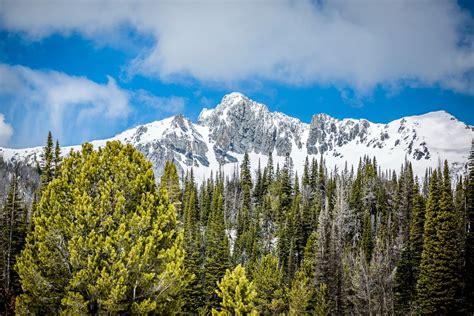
(104, 240)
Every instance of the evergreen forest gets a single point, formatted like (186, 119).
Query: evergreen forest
(103, 236)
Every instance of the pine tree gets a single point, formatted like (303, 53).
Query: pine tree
(268, 280)
(104, 239)
(300, 294)
(237, 294)
(438, 280)
(12, 240)
(323, 303)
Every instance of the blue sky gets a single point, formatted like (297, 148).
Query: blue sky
(89, 71)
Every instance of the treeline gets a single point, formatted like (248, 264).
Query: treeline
(103, 238)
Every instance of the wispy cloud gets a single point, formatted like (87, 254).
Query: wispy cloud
(6, 131)
(170, 105)
(355, 44)
(74, 108)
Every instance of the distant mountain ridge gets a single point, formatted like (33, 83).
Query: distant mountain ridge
(221, 136)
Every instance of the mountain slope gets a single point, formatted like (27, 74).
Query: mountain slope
(238, 125)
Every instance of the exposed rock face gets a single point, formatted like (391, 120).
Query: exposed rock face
(327, 133)
(179, 142)
(27, 175)
(239, 124)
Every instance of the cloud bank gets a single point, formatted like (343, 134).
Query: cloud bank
(356, 44)
(73, 108)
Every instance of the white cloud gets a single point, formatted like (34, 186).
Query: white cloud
(6, 131)
(75, 109)
(172, 104)
(72, 107)
(359, 44)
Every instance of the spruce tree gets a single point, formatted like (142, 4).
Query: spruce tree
(438, 279)
(57, 158)
(408, 265)
(243, 243)
(416, 231)
(468, 272)
(104, 240)
(367, 240)
(47, 166)
(12, 240)
(193, 294)
(217, 255)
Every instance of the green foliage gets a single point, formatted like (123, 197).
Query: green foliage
(438, 279)
(367, 241)
(57, 158)
(269, 284)
(245, 219)
(47, 168)
(237, 294)
(193, 294)
(12, 239)
(323, 303)
(469, 236)
(104, 239)
(416, 232)
(301, 293)
(217, 255)
(170, 182)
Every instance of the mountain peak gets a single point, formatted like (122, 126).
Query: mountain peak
(229, 103)
(234, 97)
(238, 99)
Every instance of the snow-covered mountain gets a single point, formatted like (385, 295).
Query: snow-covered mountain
(237, 125)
